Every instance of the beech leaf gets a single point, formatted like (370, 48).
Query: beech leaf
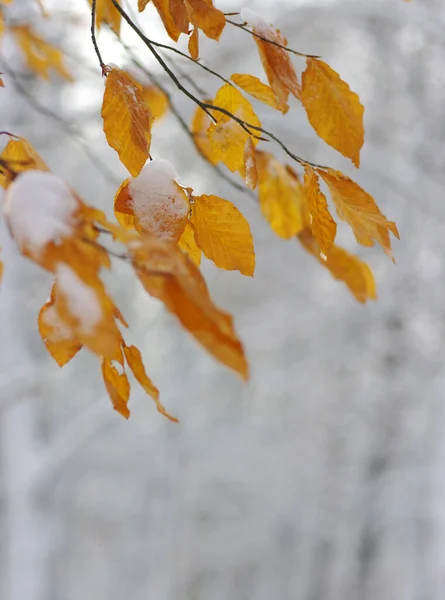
(323, 225)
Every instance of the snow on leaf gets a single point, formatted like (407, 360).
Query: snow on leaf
(134, 361)
(107, 14)
(223, 234)
(200, 124)
(205, 16)
(333, 110)
(226, 136)
(153, 201)
(118, 387)
(167, 274)
(193, 44)
(276, 61)
(259, 90)
(323, 225)
(40, 56)
(343, 266)
(249, 171)
(127, 120)
(359, 210)
(20, 156)
(188, 245)
(281, 197)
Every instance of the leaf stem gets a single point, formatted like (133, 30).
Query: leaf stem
(93, 35)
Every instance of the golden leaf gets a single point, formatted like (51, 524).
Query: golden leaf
(281, 197)
(359, 210)
(204, 15)
(20, 156)
(223, 234)
(156, 101)
(259, 90)
(167, 274)
(134, 361)
(127, 120)
(333, 110)
(250, 171)
(193, 44)
(226, 136)
(323, 225)
(343, 266)
(173, 15)
(118, 387)
(40, 56)
(188, 245)
(107, 14)
(200, 124)
(55, 333)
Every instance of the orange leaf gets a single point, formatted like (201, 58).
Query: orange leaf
(223, 234)
(227, 137)
(153, 201)
(156, 101)
(259, 90)
(188, 245)
(276, 61)
(142, 4)
(39, 55)
(359, 210)
(193, 45)
(333, 110)
(173, 15)
(134, 361)
(323, 225)
(20, 156)
(250, 171)
(127, 120)
(205, 16)
(107, 14)
(200, 124)
(281, 197)
(167, 274)
(118, 387)
(343, 266)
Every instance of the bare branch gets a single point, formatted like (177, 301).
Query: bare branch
(93, 35)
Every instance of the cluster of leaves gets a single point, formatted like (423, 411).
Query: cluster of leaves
(163, 228)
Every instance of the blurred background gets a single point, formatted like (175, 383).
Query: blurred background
(323, 478)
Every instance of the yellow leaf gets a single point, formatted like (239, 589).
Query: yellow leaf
(134, 361)
(153, 202)
(20, 156)
(250, 171)
(276, 61)
(205, 16)
(359, 210)
(193, 45)
(200, 124)
(281, 197)
(167, 274)
(223, 234)
(259, 90)
(118, 387)
(226, 136)
(107, 14)
(156, 101)
(333, 110)
(323, 225)
(39, 55)
(127, 120)
(343, 266)
(56, 334)
(174, 16)
(188, 245)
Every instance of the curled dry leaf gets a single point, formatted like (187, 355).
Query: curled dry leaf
(343, 266)
(281, 196)
(227, 137)
(259, 90)
(323, 225)
(276, 61)
(153, 201)
(167, 274)
(188, 245)
(359, 210)
(40, 56)
(200, 124)
(127, 119)
(107, 14)
(333, 110)
(223, 234)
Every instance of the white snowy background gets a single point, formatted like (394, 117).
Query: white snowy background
(323, 478)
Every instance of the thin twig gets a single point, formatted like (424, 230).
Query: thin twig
(93, 35)
(244, 28)
(188, 78)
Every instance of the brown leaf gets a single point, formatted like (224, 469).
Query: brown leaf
(323, 225)
(333, 110)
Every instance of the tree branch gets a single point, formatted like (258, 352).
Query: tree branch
(93, 35)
